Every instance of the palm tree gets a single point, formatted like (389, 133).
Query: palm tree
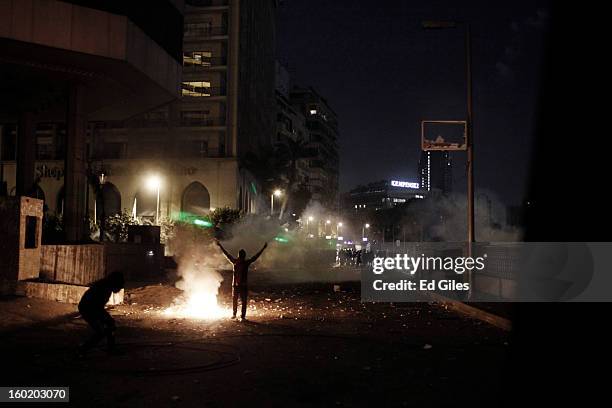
(289, 154)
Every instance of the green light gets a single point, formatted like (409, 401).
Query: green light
(281, 239)
(202, 223)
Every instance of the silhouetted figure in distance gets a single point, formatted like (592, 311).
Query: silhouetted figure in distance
(92, 310)
(239, 281)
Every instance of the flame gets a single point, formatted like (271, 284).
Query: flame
(201, 306)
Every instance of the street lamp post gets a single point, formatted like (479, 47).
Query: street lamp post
(308, 220)
(277, 193)
(338, 228)
(326, 224)
(155, 184)
(469, 121)
(102, 180)
(363, 228)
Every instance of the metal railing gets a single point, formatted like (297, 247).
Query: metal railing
(199, 92)
(216, 121)
(206, 63)
(191, 32)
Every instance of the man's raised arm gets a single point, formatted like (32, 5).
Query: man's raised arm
(257, 255)
(227, 254)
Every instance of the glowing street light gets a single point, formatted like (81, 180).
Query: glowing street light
(366, 226)
(308, 221)
(276, 193)
(154, 183)
(102, 181)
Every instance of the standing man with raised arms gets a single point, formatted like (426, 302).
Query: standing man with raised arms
(239, 281)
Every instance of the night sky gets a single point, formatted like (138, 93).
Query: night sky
(382, 73)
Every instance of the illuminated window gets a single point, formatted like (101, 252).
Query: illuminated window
(196, 88)
(197, 58)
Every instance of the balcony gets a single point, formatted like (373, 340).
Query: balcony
(148, 123)
(203, 122)
(204, 64)
(191, 91)
(194, 33)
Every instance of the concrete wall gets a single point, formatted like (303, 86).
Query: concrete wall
(75, 264)
(85, 264)
(60, 292)
(16, 261)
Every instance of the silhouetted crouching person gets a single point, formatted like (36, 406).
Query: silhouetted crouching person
(92, 310)
(239, 281)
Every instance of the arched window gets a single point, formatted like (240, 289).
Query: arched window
(196, 199)
(146, 203)
(110, 197)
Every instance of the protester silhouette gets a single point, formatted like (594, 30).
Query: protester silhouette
(92, 310)
(240, 278)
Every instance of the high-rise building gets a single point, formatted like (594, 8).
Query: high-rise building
(291, 125)
(322, 127)
(436, 171)
(197, 146)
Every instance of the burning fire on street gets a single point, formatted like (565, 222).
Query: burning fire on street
(200, 283)
(202, 306)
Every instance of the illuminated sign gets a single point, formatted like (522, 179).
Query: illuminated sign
(404, 184)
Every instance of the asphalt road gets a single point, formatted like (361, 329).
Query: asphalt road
(306, 345)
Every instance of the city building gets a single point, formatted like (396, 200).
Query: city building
(66, 64)
(322, 127)
(381, 195)
(291, 124)
(195, 147)
(436, 171)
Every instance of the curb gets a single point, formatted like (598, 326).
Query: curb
(474, 312)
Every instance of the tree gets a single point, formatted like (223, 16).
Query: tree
(117, 225)
(224, 216)
(289, 154)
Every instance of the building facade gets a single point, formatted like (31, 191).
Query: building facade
(291, 124)
(193, 146)
(382, 195)
(321, 170)
(64, 64)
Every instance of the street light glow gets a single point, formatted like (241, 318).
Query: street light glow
(367, 225)
(153, 182)
(310, 218)
(278, 192)
(328, 222)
